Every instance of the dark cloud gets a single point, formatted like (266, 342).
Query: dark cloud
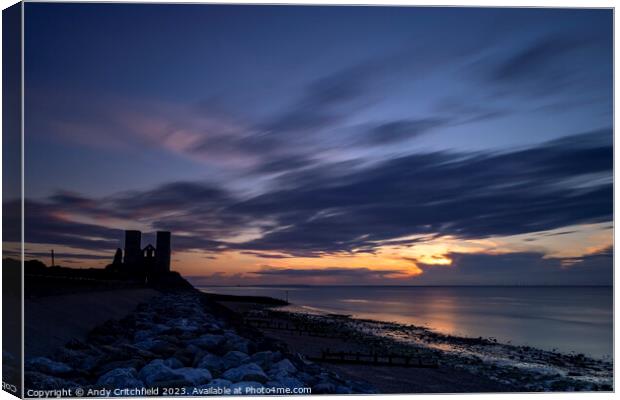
(332, 272)
(466, 195)
(345, 207)
(45, 223)
(265, 255)
(61, 255)
(525, 268)
(550, 65)
(521, 268)
(397, 131)
(538, 58)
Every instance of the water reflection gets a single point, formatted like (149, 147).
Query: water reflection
(565, 318)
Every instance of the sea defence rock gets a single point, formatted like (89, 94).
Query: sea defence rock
(246, 372)
(174, 342)
(121, 378)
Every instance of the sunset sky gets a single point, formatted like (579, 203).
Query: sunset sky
(324, 145)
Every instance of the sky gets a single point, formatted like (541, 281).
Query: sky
(324, 145)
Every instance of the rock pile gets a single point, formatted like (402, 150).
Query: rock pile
(173, 342)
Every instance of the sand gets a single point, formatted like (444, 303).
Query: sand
(51, 321)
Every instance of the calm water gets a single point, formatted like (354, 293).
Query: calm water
(578, 319)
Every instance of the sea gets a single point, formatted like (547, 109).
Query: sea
(568, 319)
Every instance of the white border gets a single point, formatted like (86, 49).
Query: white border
(479, 3)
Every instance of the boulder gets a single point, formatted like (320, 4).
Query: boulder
(246, 372)
(233, 359)
(156, 373)
(121, 378)
(195, 376)
(286, 382)
(222, 383)
(157, 346)
(44, 382)
(323, 388)
(283, 368)
(213, 363)
(208, 341)
(173, 363)
(246, 387)
(266, 359)
(135, 363)
(236, 342)
(47, 366)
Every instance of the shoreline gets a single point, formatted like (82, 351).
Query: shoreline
(525, 368)
(173, 335)
(522, 368)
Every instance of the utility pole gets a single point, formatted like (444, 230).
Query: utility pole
(53, 263)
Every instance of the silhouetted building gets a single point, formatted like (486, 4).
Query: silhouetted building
(118, 257)
(149, 260)
(162, 255)
(133, 251)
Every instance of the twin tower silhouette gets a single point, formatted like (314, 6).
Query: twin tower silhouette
(148, 259)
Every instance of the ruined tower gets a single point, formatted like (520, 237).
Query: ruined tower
(162, 252)
(133, 251)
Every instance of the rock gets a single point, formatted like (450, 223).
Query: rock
(157, 346)
(156, 373)
(47, 366)
(265, 359)
(233, 359)
(173, 363)
(121, 378)
(283, 368)
(213, 363)
(236, 342)
(78, 360)
(45, 382)
(246, 387)
(287, 383)
(134, 351)
(195, 376)
(247, 372)
(215, 383)
(135, 363)
(183, 325)
(141, 336)
(343, 390)
(323, 388)
(208, 341)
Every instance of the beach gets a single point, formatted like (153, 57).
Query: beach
(177, 342)
(197, 343)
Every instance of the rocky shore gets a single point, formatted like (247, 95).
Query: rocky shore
(181, 344)
(187, 343)
(515, 368)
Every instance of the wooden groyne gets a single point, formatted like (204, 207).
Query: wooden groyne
(396, 360)
(301, 330)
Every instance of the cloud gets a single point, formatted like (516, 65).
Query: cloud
(537, 58)
(332, 272)
(464, 195)
(354, 208)
(306, 276)
(265, 255)
(73, 256)
(573, 64)
(521, 268)
(397, 131)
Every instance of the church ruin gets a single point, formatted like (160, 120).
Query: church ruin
(151, 260)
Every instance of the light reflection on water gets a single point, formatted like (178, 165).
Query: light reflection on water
(578, 319)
